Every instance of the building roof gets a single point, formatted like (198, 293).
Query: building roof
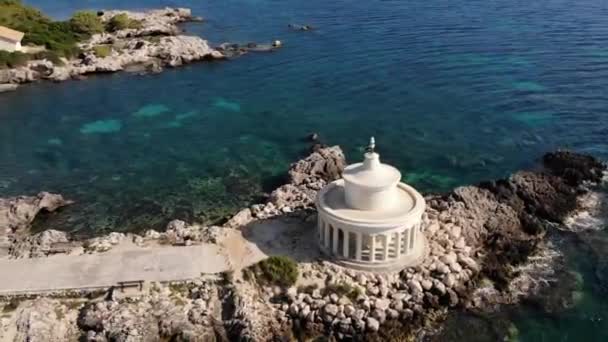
(11, 34)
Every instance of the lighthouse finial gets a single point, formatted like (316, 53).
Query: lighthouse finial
(372, 145)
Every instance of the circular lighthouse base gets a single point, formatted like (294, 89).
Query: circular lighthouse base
(415, 258)
(381, 240)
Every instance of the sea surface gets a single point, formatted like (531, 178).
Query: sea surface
(455, 92)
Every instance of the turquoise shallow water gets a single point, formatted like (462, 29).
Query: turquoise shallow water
(455, 92)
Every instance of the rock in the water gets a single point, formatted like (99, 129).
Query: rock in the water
(6, 87)
(17, 213)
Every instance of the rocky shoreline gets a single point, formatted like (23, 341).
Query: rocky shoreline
(489, 246)
(157, 44)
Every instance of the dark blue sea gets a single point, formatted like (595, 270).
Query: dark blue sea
(455, 92)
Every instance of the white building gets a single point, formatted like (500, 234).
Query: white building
(10, 40)
(369, 220)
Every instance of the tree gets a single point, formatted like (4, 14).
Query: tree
(86, 22)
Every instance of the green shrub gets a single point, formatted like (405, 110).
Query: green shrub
(122, 22)
(343, 289)
(308, 288)
(276, 270)
(39, 29)
(13, 59)
(12, 305)
(49, 55)
(86, 22)
(102, 51)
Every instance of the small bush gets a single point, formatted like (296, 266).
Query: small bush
(11, 306)
(276, 270)
(49, 55)
(102, 51)
(343, 289)
(86, 22)
(122, 22)
(308, 288)
(13, 59)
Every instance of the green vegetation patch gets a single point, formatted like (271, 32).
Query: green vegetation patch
(122, 22)
(102, 51)
(276, 270)
(11, 306)
(343, 289)
(60, 37)
(86, 22)
(13, 59)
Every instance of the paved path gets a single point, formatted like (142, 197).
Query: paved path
(107, 269)
(234, 251)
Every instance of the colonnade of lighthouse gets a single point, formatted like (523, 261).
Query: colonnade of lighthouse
(371, 220)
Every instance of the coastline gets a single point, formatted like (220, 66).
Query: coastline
(159, 43)
(485, 241)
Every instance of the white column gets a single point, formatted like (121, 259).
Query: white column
(345, 245)
(372, 248)
(359, 247)
(320, 229)
(398, 245)
(413, 236)
(326, 231)
(335, 236)
(387, 243)
(406, 240)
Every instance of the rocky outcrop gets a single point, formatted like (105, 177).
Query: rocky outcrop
(179, 312)
(481, 240)
(325, 164)
(305, 178)
(44, 319)
(158, 43)
(487, 247)
(40, 245)
(17, 213)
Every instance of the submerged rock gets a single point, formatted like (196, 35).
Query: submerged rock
(8, 87)
(101, 126)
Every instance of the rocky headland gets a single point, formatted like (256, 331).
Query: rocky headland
(157, 42)
(490, 245)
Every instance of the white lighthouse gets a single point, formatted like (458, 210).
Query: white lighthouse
(370, 220)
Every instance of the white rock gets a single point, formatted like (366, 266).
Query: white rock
(449, 280)
(382, 304)
(331, 309)
(426, 284)
(443, 268)
(372, 324)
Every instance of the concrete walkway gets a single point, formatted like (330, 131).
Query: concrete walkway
(235, 250)
(108, 269)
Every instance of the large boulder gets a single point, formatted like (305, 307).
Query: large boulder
(573, 167)
(45, 320)
(17, 213)
(325, 164)
(39, 245)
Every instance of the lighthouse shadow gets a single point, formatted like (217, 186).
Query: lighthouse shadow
(284, 236)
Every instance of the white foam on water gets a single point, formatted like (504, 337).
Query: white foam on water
(537, 272)
(592, 214)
